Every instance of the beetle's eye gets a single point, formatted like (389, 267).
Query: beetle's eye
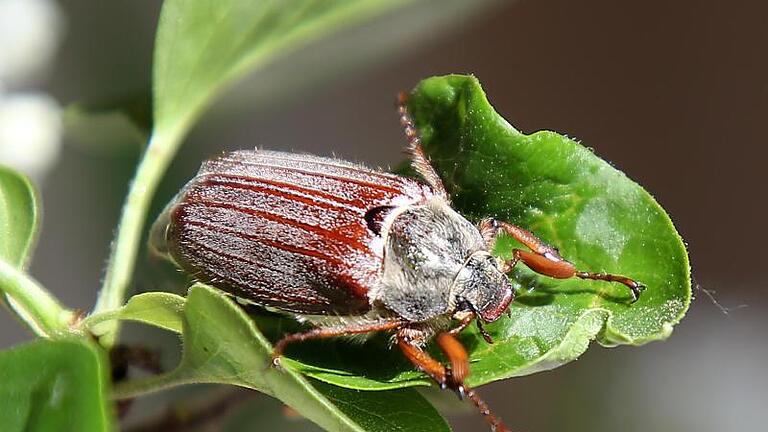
(374, 218)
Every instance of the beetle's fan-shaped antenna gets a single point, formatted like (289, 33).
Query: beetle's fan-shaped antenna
(419, 160)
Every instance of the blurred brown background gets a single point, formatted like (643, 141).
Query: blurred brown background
(673, 93)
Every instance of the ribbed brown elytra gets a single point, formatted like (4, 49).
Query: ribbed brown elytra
(286, 231)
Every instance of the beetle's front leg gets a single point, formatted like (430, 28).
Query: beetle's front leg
(545, 259)
(410, 340)
(465, 321)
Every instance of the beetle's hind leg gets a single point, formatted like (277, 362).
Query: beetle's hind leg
(419, 160)
(410, 341)
(329, 332)
(545, 259)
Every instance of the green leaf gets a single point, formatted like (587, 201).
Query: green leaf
(592, 212)
(18, 218)
(598, 218)
(222, 345)
(55, 385)
(159, 309)
(31, 303)
(203, 46)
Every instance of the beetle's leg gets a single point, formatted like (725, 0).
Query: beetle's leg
(410, 342)
(545, 259)
(466, 321)
(411, 347)
(486, 336)
(457, 356)
(419, 160)
(328, 332)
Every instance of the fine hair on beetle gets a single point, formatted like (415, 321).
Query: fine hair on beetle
(353, 250)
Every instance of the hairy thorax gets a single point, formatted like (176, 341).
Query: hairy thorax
(425, 249)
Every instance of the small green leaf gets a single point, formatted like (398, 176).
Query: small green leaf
(222, 345)
(159, 309)
(55, 386)
(31, 303)
(18, 218)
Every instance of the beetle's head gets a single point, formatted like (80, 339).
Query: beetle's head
(482, 287)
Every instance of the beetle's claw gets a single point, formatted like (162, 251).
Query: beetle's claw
(636, 288)
(452, 384)
(461, 391)
(275, 362)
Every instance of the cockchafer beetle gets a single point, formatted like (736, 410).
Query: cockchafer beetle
(353, 250)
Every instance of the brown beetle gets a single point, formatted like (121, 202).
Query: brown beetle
(353, 250)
